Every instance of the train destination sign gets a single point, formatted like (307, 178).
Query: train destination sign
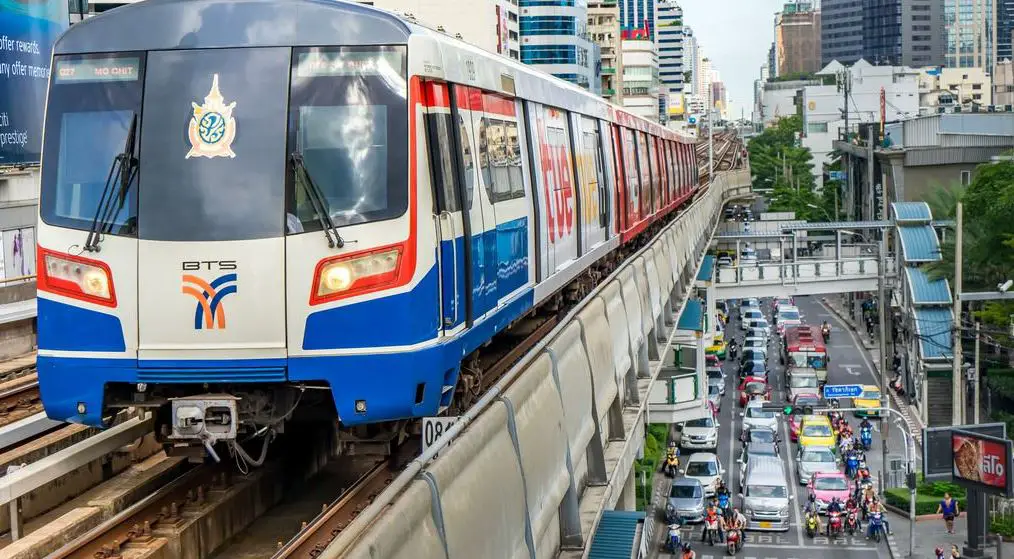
(98, 69)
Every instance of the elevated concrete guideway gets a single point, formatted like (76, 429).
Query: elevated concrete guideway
(804, 277)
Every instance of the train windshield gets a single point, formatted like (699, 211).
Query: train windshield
(92, 102)
(348, 119)
(212, 160)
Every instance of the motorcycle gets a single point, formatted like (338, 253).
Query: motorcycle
(811, 525)
(710, 531)
(866, 437)
(826, 332)
(852, 522)
(851, 465)
(671, 466)
(672, 543)
(876, 526)
(835, 526)
(732, 541)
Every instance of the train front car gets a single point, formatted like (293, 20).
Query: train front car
(229, 220)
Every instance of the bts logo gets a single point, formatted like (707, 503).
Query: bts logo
(210, 313)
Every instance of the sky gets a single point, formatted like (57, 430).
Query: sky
(736, 36)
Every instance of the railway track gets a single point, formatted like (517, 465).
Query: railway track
(315, 535)
(19, 398)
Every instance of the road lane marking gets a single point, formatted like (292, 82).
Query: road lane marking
(795, 504)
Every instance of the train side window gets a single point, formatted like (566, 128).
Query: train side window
(673, 168)
(633, 180)
(513, 161)
(601, 176)
(467, 161)
(438, 132)
(645, 170)
(498, 178)
(483, 141)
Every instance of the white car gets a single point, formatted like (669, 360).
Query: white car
(748, 308)
(759, 344)
(724, 262)
(755, 416)
(749, 316)
(705, 468)
(700, 434)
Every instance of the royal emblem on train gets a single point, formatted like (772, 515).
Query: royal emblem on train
(212, 126)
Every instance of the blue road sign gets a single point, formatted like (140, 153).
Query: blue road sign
(842, 391)
(692, 120)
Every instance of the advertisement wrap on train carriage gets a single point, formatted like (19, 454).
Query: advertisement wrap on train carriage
(556, 186)
(28, 30)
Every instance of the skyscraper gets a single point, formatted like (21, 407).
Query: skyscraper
(554, 39)
(1004, 30)
(689, 59)
(604, 27)
(669, 38)
(797, 38)
(900, 32)
(636, 17)
(969, 27)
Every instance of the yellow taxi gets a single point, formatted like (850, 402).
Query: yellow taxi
(718, 347)
(870, 398)
(815, 430)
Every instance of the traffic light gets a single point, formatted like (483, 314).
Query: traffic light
(787, 409)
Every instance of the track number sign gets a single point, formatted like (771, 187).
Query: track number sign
(433, 428)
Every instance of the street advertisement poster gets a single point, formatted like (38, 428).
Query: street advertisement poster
(18, 252)
(981, 462)
(28, 29)
(937, 454)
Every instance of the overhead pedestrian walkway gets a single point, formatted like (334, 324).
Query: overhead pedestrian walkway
(813, 276)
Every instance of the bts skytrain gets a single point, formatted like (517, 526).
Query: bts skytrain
(249, 207)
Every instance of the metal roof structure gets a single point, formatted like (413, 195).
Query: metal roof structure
(933, 327)
(925, 291)
(919, 244)
(616, 535)
(882, 224)
(692, 317)
(707, 271)
(917, 212)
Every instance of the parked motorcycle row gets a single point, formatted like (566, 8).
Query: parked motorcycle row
(831, 460)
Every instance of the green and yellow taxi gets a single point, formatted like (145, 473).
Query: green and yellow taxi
(816, 431)
(867, 404)
(718, 347)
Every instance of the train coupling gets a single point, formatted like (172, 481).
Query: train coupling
(207, 418)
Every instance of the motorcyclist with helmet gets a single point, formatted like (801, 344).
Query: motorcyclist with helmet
(834, 507)
(672, 461)
(712, 526)
(687, 552)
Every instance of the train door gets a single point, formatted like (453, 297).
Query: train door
(555, 189)
(453, 230)
(593, 202)
(475, 167)
(504, 183)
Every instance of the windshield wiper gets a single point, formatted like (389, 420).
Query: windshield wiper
(316, 197)
(123, 170)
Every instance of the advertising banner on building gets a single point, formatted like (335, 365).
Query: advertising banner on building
(18, 252)
(501, 30)
(982, 462)
(28, 29)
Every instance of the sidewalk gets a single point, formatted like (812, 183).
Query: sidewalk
(913, 418)
(930, 533)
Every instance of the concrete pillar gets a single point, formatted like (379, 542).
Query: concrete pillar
(628, 495)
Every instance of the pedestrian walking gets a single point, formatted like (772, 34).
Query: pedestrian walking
(948, 508)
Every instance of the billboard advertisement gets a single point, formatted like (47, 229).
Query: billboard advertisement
(28, 29)
(982, 462)
(937, 452)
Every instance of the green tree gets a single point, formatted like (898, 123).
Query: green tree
(988, 235)
(784, 170)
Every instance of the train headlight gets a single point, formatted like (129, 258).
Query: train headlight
(356, 274)
(76, 277)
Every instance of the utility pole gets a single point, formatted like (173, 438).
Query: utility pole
(956, 382)
(975, 377)
(883, 308)
(845, 85)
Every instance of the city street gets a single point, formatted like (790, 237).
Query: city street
(849, 364)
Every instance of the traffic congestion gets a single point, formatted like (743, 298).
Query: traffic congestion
(775, 466)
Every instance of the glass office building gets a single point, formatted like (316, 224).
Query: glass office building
(554, 39)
